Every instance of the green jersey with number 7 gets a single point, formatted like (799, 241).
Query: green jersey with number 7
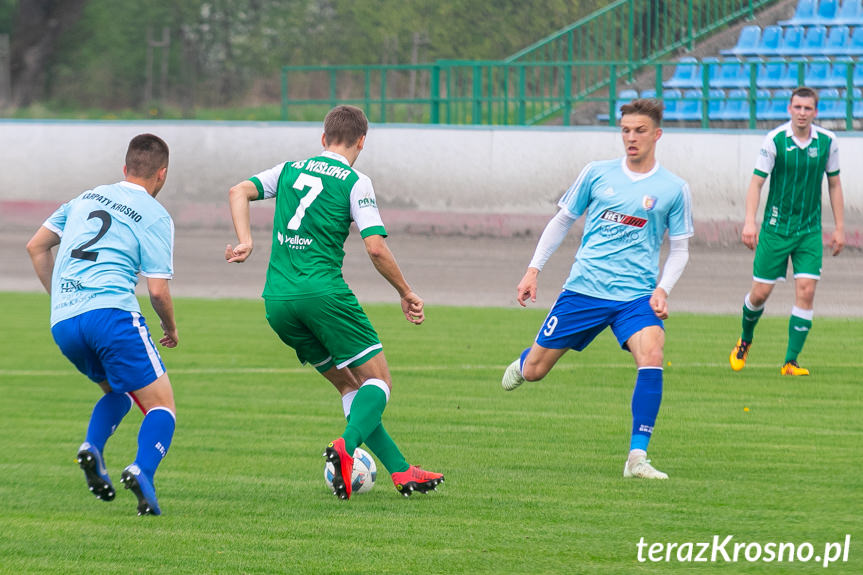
(316, 201)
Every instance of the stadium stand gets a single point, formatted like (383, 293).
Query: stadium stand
(819, 46)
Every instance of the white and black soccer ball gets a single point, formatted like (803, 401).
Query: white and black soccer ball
(364, 475)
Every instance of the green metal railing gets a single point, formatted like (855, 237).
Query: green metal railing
(581, 67)
(497, 93)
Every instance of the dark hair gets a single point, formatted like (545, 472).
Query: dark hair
(345, 125)
(645, 107)
(147, 154)
(804, 92)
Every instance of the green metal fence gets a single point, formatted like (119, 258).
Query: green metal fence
(580, 69)
(497, 93)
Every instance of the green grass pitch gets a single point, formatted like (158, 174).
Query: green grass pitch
(533, 477)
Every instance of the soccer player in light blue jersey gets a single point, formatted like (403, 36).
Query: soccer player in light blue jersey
(107, 236)
(629, 204)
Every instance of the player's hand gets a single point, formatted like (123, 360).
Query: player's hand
(750, 236)
(527, 287)
(659, 303)
(238, 254)
(170, 339)
(837, 241)
(412, 307)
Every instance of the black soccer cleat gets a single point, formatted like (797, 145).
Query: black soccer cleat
(90, 461)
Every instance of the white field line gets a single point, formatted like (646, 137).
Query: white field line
(401, 369)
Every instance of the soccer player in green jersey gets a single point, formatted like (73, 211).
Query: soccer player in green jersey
(308, 303)
(796, 155)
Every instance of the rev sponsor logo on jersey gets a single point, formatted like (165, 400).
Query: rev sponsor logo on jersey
(790, 148)
(648, 202)
(618, 218)
(295, 242)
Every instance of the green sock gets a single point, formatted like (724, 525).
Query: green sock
(382, 445)
(366, 411)
(798, 329)
(750, 318)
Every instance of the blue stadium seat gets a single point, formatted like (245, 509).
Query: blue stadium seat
(851, 12)
(778, 108)
(804, 14)
(796, 72)
(747, 42)
(858, 73)
(732, 74)
(827, 10)
(770, 39)
(838, 40)
(830, 107)
(838, 73)
(762, 103)
(736, 106)
(710, 66)
(649, 93)
(817, 73)
(691, 105)
(791, 41)
(672, 101)
(855, 45)
(774, 74)
(686, 74)
(857, 97)
(814, 41)
(715, 103)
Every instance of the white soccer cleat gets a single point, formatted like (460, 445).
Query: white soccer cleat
(637, 465)
(512, 377)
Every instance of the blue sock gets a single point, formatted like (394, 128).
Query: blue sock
(108, 412)
(645, 405)
(521, 360)
(154, 439)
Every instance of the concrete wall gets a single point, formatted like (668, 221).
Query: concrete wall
(426, 177)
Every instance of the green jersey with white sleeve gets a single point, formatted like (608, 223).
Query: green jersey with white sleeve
(796, 169)
(316, 201)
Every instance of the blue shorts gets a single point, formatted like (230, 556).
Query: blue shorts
(110, 344)
(576, 319)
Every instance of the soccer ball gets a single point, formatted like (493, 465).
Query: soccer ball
(364, 475)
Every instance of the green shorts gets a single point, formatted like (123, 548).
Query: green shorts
(773, 251)
(326, 331)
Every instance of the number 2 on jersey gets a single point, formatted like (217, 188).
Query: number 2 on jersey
(316, 186)
(81, 252)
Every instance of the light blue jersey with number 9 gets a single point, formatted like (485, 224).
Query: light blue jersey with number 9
(107, 236)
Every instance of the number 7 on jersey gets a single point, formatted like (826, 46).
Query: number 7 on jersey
(316, 186)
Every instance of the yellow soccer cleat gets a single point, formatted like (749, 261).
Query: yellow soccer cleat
(739, 354)
(791, 368)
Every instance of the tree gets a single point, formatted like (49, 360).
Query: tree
(38, 26)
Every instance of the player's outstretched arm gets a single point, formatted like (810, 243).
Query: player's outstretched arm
(837, 204)
(749, 235)
(385, 262)
(239, 198)
(39, 248)
(160, 299)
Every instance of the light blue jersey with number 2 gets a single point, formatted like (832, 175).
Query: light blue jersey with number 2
(627, 216)
(107, 236)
